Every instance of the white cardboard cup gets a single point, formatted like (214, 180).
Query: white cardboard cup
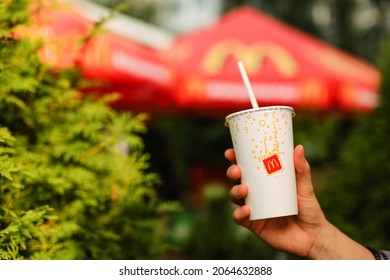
(263, 143)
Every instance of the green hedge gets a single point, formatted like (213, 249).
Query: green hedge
(74, 179)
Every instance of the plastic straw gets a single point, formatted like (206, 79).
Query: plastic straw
(247, 85)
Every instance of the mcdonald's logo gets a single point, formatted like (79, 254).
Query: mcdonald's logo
(314, 93)
(251, 55)
(272, 164)
(98, 54)
(194, 90)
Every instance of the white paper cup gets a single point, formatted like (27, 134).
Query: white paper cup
(263, 143)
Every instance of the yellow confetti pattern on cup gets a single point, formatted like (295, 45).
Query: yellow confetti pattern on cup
(268, 126)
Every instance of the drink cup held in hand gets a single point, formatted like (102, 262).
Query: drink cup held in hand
(263, 143)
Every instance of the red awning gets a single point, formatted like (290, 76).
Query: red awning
(285, 67)
(139, 73)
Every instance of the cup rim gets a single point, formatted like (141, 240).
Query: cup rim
(266, 108)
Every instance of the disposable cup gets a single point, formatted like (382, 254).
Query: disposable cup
(263, 143)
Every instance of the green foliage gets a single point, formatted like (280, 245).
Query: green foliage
(211, 233)
(358, 197)
(74, 177)
(176, 135)
(143, 10)
(319, 135)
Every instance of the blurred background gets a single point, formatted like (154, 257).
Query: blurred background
(342, 118)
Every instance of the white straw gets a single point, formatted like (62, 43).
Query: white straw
(247, 85)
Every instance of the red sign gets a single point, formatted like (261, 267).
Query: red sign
(272, 164)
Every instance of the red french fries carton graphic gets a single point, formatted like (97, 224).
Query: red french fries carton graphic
(272, 164)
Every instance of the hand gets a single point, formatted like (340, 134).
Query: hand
(308, 234)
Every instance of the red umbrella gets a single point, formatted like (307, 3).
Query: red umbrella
(284, 65)
(143, 78)
(140, 74)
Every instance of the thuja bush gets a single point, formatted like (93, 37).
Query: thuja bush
(74, 179)
(358, 198)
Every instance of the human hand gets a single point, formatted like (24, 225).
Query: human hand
(293, 234)
(308, 234)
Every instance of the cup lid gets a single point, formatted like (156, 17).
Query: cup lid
(253, 110)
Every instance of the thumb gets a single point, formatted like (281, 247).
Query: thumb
(302, 173)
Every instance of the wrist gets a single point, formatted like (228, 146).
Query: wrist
(321, 245)
(332, 244)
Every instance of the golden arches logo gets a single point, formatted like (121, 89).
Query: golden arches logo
(314, 92)
(251, 55)
(194, 90)
(98, 54)
(272, 164)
